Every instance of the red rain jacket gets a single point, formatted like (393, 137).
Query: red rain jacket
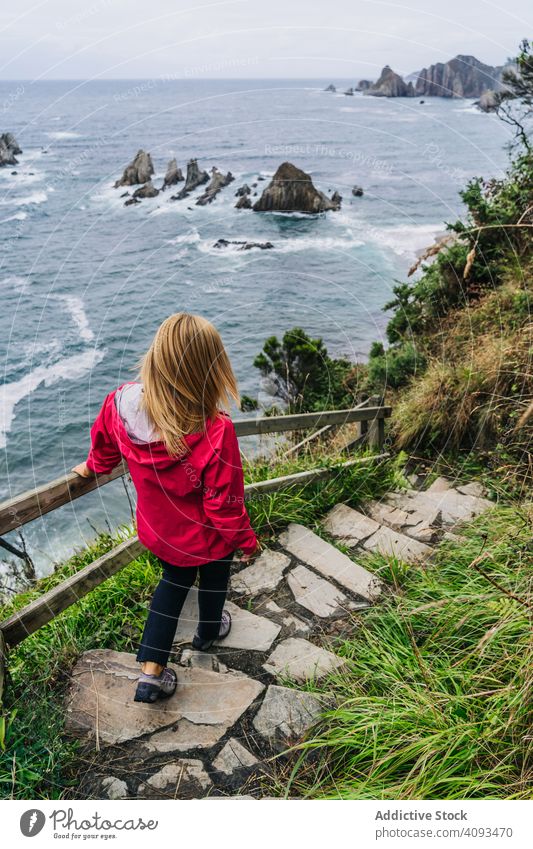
(189, 510)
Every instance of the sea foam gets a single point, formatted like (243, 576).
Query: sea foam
(69, 368)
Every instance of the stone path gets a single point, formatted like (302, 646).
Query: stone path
(239, 705)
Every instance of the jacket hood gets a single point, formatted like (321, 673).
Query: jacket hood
(137, 435)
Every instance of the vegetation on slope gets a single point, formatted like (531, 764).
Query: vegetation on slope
(435, 702)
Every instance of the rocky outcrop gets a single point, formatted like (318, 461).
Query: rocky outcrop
(243, 246)
(146, 191)
(357, 192)
(463, 76)
(172, 176)
(243, 190)
(391, 84)
(292, 190)
(330, 87)
(218, 182)
(349, 92)
(244, 202)
(9, 149)
(140, 170)
(195, 178)
(363, 85)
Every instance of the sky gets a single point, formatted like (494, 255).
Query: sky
(330, 39)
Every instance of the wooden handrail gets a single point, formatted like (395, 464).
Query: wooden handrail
(45, 608)
(34, 503)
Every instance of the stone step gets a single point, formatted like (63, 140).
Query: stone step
(348, 525)
(185, 776)
(425, 526)
(248, 631)
(454, 506)
(233, 758)
(301, 661)
(330, 562)
(206, 704)
(316, 594)
(285, 715)
(264, 575)
(388, 542)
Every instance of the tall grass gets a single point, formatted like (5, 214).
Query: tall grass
(435, 701)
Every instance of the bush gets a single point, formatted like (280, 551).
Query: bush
(303, 375)
(393, 368)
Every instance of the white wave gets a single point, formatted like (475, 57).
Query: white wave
(63, 134)
(18, 216)
(405, 239)
(36, 197)
(15, 282)
(293, 244)
(23, 177)
(75, 307)
(312, 243)
(70, 368)
(186, 238)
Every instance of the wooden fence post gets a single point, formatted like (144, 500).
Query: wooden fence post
(3, 655)
(376, 428)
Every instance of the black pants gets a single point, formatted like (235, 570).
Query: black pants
(169, 597)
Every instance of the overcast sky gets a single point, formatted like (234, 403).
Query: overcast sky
(332, 39)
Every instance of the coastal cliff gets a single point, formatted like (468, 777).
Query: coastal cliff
(463, 76)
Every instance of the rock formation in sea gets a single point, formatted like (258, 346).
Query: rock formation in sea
(463, 76)
(357, 192)
(243, 190)
(218, 182)
(146, 191)
(140, 170)
(195, 178)
(349, 92)
(330, 87)
(173, 175)
(243, 246)
(292, 190)
(9, 149)
(244, 202)
(391, 84)
(363, 85)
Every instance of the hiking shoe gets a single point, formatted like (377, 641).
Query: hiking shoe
(153, 687)
(225, 628)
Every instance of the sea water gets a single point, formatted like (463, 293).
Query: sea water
(85, 281)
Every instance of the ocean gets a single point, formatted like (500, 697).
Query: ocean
(85, 281)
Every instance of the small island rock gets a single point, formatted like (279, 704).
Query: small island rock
(140, 170)
(146, 191)
(292, 190)
(244, 202)
(173, 175)
(218, 181)
(195, 178)
(9, 149)
(391, 84)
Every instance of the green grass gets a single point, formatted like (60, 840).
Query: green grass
(435, 700)
(36, 761)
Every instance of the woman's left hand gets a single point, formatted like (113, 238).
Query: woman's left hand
(83, 470)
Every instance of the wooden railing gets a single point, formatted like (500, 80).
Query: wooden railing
(35, 503)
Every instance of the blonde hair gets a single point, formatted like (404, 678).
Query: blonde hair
(187, 377)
